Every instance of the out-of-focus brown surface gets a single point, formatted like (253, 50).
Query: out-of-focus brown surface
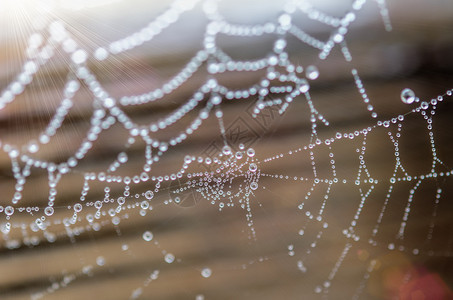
(416, 54)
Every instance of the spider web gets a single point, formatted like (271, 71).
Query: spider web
(318, 205)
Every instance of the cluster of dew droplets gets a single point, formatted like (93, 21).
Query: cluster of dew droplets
(400, 175)
(231, 179)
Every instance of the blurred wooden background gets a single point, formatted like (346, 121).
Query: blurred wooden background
(115, 261)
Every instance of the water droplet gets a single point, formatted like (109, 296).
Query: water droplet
(148, 236)
(280, 44)
(100, 260)
(272, 60)
(101, 54)
(14, 153)
(9, 210)
(206, 272)
(250, 152)
(33, 147)
(301, 267)
(285, 20)
(407, 96)
(312, 72)
(226, 150)
(213, 68)
(122, 157)
(304, 86)
(338, 38)
(169, 258)
(253, 167)
(149, 195)
(77, 207)
(79, 57)
(216, 100)
(49, 210)
(254, 186)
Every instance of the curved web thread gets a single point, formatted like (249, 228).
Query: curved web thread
(284, 80)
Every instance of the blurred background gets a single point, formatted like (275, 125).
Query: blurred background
(174, 243)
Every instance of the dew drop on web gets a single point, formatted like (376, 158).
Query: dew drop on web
(206, 272)
(148, 236)
(407, 96)
(169, 258)
(312, 72)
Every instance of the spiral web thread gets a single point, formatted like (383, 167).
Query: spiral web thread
(284, 80)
